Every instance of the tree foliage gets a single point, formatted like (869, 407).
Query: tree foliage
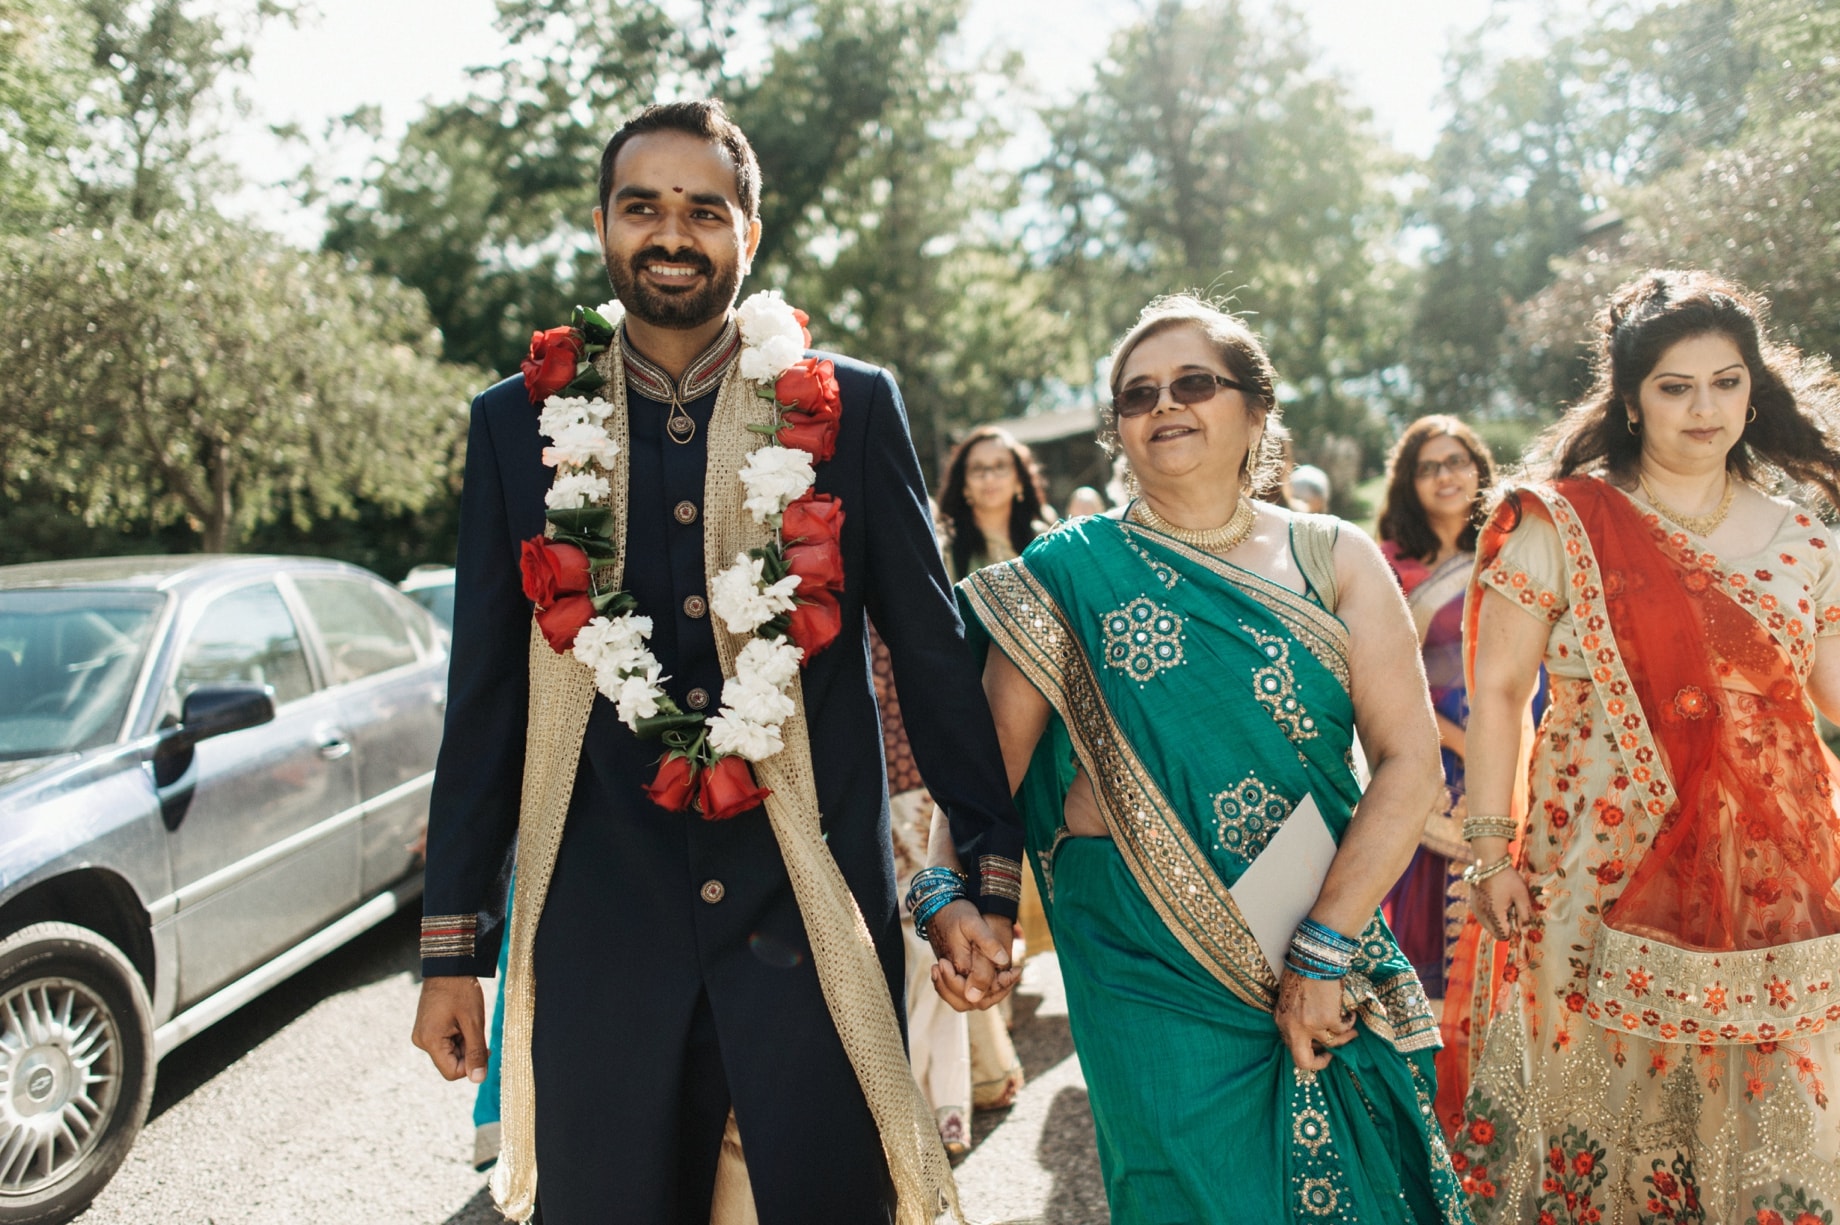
(1551, 154)
(1762, 209)
(41, 81)
(200, 372)
(1212, 152)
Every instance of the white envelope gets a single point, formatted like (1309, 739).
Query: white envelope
(1276, 893)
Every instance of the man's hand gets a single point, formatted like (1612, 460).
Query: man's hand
(974, 969)
(1310, 1019)
(450, 1024)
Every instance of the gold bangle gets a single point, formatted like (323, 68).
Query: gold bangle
(1489, 827)
(1476, 873)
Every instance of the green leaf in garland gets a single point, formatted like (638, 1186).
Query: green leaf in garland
(773, 567)
(658, 725)
(614, 603)
(768, 430)
(583, 520)
(587, 379)
(593, 326)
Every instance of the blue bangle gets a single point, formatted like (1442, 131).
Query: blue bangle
(929, 909)
(1310, 928)
(1321, 974)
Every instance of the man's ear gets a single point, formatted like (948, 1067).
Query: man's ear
(600, 228)
(750, 245)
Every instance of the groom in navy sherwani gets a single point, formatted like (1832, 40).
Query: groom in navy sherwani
(674, 980)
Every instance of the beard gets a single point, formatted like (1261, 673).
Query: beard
(684, 309)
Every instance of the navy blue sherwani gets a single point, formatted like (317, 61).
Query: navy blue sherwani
(673, 975)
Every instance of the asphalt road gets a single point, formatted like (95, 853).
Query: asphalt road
(310, 1106)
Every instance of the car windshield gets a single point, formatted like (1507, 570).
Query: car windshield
(68, 664)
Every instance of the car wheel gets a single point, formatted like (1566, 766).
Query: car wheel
(76, 1069)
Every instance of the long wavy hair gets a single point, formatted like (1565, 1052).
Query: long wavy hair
(963, 536)
(1402, 514)
(1796, 400)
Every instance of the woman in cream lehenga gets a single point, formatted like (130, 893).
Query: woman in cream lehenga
(1668, 1024)
(1175, 689)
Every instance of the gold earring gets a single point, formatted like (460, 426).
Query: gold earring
(1751, 416)
(1632, 425)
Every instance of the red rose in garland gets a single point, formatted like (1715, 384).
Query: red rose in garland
(674, 786)
(552, 570)
(551, 365)
(816, 622)
(562, 620)
(810, 388)
(727, 789)
(804, 324)
(811, 527)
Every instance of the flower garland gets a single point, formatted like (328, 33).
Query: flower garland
(783, 594)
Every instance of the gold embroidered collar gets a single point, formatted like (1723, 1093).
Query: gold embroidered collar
(701, 376)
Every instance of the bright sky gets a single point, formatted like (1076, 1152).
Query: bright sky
(398, 53)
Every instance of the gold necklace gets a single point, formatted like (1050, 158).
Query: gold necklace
(1699, 525)
(1223, 539)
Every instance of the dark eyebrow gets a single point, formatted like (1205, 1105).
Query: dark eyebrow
(634, 192)
(1666, 374)
(713, 199)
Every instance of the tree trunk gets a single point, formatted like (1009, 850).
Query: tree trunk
(217, 524)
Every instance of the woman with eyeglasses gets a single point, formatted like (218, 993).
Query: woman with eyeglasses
(1428, 521)
(1177, 690)
(990, 504)
(1665, 1039)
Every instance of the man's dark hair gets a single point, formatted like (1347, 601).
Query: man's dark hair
(705, 119)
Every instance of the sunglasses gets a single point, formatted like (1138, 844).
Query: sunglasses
(1189, 389)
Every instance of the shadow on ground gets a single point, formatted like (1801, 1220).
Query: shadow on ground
(1041, 1043)
(386, 950)
(477, 1211)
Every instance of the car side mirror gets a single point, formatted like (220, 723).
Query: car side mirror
(216, 710)
(210, 710)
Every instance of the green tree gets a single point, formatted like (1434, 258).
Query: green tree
(1213, 152)
(485, 207)
(1539, 144)
(1763, 210)
(194, 371)
(41, 81)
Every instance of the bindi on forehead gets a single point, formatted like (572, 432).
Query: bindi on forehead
(678, 190)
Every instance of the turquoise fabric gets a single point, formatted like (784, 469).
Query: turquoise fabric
(1204, 703)
(485, 1102)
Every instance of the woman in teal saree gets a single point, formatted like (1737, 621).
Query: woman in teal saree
(1172, 699)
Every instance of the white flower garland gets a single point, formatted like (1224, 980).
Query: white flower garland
(754, 701)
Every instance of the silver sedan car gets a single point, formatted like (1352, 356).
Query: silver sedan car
(212, 772)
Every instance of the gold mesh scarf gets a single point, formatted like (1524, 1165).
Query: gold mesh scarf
(561, 694)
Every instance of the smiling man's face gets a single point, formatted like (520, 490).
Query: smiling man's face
(674, 235)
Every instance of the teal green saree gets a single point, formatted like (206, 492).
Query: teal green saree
(1204, 703)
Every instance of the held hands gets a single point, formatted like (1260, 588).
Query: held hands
(1311, 1020)
(973, 970)
(1502, 903)
(450, 1024)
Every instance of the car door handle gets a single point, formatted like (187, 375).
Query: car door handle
(334, 747)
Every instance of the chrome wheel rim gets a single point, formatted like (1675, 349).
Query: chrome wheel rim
(60, 1078)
